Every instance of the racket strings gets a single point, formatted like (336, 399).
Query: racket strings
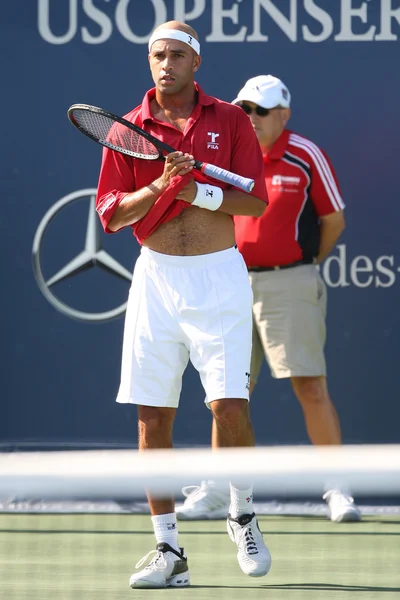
(114, 135)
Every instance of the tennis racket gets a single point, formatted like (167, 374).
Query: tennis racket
(122, 136)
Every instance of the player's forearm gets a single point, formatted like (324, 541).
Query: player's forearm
(136, 205)
(239, 203)
(329, 235)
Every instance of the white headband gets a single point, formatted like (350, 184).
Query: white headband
(175, 34)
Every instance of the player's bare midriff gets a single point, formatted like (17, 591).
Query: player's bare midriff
(194, 231)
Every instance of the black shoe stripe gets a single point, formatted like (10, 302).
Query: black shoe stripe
(164, 547)
(243, 519)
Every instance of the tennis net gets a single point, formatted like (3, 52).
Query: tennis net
(73, 524)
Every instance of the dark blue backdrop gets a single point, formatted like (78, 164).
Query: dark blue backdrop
(340, 61)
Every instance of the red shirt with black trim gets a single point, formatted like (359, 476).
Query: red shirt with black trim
(302, 186)
(216, 132)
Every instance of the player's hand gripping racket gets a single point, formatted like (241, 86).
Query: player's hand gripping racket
(125, 137)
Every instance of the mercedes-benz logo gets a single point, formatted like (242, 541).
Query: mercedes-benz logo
(92, 255)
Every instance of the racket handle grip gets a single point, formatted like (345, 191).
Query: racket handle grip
(243, 183)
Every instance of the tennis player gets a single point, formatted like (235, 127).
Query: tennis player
(190, 296)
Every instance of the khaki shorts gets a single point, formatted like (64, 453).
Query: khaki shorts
(289, 314)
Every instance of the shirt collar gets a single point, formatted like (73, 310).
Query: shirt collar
(202, 100)
(279, 148)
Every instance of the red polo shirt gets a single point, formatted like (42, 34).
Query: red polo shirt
(301, 186)
(216, 132)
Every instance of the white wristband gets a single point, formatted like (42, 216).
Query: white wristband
(208, 196)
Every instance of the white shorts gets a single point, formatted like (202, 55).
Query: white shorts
(181, 307)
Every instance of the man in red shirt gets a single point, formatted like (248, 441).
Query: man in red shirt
(190, 296)
(301, 225)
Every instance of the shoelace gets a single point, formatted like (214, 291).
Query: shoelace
(338, 496)
(246, 535)
(191, 490)
(158, 561)
(201, 492)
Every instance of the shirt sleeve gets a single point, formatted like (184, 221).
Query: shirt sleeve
(247, 159)
(324, 190)
(115, 181)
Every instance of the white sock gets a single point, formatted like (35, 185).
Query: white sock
(166, 529)
(241, 502)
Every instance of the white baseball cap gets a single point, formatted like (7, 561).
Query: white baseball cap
(266, 91)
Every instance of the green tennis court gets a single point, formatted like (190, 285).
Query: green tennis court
(91, 556)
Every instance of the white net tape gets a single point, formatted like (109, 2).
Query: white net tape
(290, 471)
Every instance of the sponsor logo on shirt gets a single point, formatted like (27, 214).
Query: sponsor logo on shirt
(282, 179)
(107, 202)
(212, 144)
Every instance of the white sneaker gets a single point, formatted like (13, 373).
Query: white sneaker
(168, 568)
(206, 501)
(253, 555)
(341, 507)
